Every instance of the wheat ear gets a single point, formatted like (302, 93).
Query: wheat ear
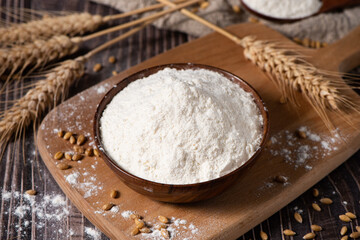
(71, 25)
(36, 54)
(293, 75)
(42, 97)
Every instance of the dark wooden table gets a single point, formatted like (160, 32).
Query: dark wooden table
(17, 175)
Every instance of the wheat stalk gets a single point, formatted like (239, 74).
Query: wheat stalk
(42, 97)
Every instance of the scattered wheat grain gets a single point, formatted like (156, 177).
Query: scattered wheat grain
(316, 228)
(139, 223)
(163, 219)
(89, 152)
(112, 59)
(81, 140)
(72, 140)
(343, 230)
(316, 207)
(253, 19)
(344, 218)
(63, 166)
(236, 9)
(301, 134)
(60, 133)
(135, 231)
(115, 194)
(135, 216)
(315, 192)
(165, 233)
(107, 206)
(76, 157)
(263, 235)
(145, 230)
(31, 192)
(68, 156)
(97, 67)
(309, 236)
(79, 149)
(298, 217)
(355, 235)
(288, 232)
(280, 179)
(350, 215)
(327, 201)
(68, 135)
(96, 152)
(58, 155)
(160, 226)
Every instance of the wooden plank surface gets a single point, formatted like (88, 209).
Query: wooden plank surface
(304, 163)
(342, 185)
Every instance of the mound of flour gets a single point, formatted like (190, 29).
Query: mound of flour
(288, 9)
(181, 126)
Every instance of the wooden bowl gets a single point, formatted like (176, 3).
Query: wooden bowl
(170, 192)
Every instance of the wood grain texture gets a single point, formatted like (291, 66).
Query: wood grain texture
(252, 199)
(342, 185)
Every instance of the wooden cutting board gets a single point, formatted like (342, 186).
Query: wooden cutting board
(247, 203)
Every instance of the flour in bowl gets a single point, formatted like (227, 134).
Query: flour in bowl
(181, 126)
(285, 9)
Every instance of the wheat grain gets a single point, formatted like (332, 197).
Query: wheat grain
(71, 25)
(43, 96)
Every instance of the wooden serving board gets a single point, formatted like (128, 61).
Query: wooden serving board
(247, 203)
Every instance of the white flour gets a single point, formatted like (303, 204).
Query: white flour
(288, 9)
(181, 127)
(49, 209)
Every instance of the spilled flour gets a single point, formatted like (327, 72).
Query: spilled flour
(48, 209)
(298, 152)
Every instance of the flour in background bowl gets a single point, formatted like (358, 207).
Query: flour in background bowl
(288, 9)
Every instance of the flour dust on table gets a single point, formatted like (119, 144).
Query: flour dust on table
(51, 209)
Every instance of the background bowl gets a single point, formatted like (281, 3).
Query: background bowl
(170, 192)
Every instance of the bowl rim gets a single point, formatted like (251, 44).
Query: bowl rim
(97, 135)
